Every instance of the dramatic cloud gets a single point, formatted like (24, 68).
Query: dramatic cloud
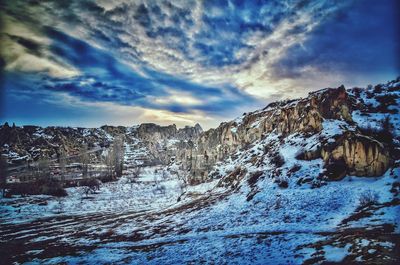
(23, 49)
(190, 61)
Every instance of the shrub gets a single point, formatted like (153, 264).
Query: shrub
(368, 197)
(42, 186)
(386, 133)
(106, 178)
(378, 89)
(383, 134)
(233, 177)
(303, 180)
(57, 192)
(280, 202)
(215, 175)
(252, 180)
(294, 169)
(160, 189)
(277, 160)
(282, 181)
(387, 100)
(308, 154)
(90, 185)
(317, 183)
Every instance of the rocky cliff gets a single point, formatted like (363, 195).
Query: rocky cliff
(30, 143)
(334, 119)
(350, 151)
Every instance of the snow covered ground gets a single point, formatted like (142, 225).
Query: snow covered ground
(149, 192)
(139, 223)
(277, 225)
(245, 217)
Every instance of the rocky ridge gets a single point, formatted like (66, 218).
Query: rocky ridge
(351, 151)
(30, 143)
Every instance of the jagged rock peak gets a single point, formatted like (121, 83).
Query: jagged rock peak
(198, 127)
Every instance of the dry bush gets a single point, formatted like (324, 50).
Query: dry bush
(368, 197)
(90, 186)
(252, 180)
(282, 181)
(277, 160)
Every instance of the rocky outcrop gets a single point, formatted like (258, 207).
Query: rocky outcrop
(197, 151)
(361, 155)
(189, 132)
(30, 143)
(167, 143)
(154, 133)
(333, 103)
(358, 155)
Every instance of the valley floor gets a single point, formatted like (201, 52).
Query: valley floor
(142, 224)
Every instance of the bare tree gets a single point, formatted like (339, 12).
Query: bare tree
(109, 161)
(163, 174)
(114, 158)
(134, 174)
(90, 186)
(3, 174)
(159, 188)
(62, 164)
(43, 168)
(84, 160)
(118, 152)
(183, 181)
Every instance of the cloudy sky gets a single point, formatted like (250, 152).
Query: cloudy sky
(93, 62)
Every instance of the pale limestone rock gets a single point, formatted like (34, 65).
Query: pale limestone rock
(362, 155)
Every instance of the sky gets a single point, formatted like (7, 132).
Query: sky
(93, 62)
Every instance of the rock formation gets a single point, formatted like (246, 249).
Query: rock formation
(348, 151)
(361, 155)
